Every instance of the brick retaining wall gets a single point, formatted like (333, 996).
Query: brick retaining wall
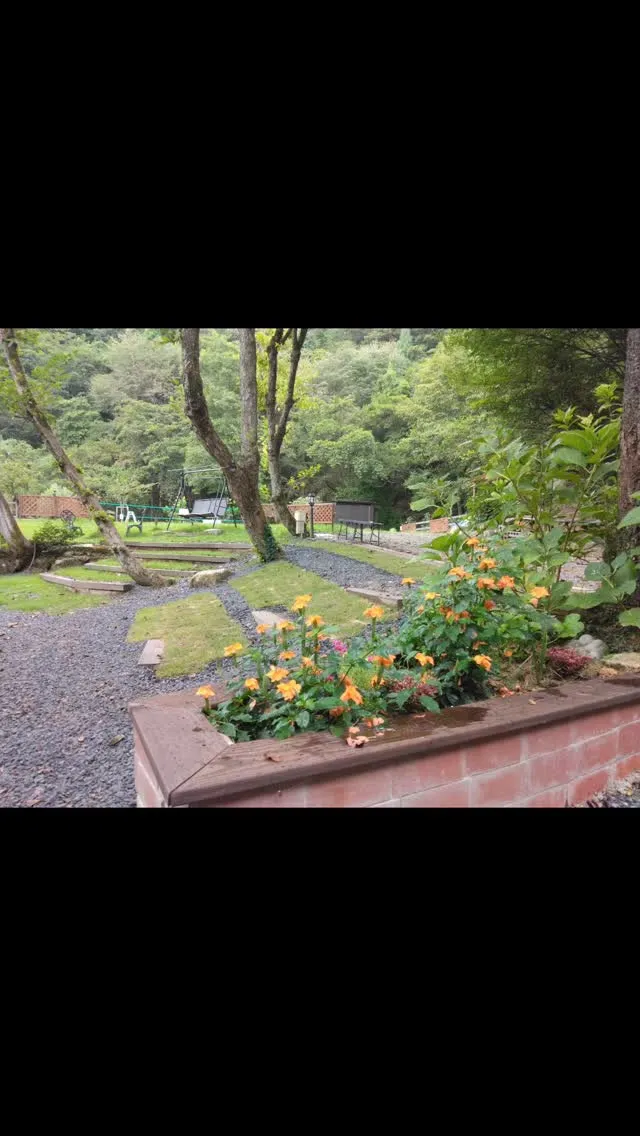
(554, 749)
(33, 505)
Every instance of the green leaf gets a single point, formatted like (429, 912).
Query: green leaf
(631, 618)
(575, 440)
(564, 455)
(429, 704)
(632, 518)
(401, 698)
(229, 730)
(597, 571)
(303, 720)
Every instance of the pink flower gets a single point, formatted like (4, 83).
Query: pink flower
(338, 646)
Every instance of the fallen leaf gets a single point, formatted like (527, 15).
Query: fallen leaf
(80, 739)
(532, 702)
(357, 743)
(116, 741)
(272, 757)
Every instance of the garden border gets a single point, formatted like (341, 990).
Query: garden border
(531, 750)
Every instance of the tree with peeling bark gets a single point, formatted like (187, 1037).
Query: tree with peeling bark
(242, 473)
(21, 550)
(630, 448)
(278, 416)
(28, 402)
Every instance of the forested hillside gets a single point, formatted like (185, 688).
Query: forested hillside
(377, 409)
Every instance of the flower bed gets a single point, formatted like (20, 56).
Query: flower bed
(557, 748)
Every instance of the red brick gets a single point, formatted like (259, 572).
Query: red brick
(292, 798)
(586, 787)
(426, 773)
(629, 739)
(494, 755)
(594, 724)
(597, 752)
(554, 768)
(501, 788)
(552, 799)
(351, 791)
(455, 796)
(628, 765)
(547, 740)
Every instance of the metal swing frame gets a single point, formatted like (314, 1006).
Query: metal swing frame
(215, 501)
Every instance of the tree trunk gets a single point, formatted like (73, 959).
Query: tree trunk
(279, 493)
(21, 550)
(630, 447)
(278, 420)
(242, 475)
(129, 562)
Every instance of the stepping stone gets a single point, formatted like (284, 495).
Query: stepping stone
(153, 653)
(378, 597)
(268, 617)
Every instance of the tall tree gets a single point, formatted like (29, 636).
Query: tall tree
(630, 449)
(242, 473)
(129, 562)
(278, 416)
(20, 549)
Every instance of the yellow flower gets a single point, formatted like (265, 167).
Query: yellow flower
(352, 694)
(252, 684)
(487, 563)
(472, 542)
(315, 621)
(301, 603)
(483, 661)
(289, 690)
(284, 656)
(286, 625)
(460, 573)
(374, 612)
(424, 660)
(234, 649)
(539, 593)
(486, 582)
(433, 596)
(277, 674)
(408, 581)
(206, 692)
(506, 582)
(262, 628)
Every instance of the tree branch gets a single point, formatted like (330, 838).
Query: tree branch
(195, 401)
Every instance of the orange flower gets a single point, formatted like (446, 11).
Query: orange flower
(262, 628)
(375, 681)
(301, 603)
(374, 723)
(308, 662)
(508, 654)
(374, 612)
(487, 563)
(286, 625)
(353, 730)
(460, 573)
(277, 674)
(233, 650)
(284, 656)
(432, 596)
(206, 692)
(424, 660)
(289, 690)
(420, 609)
(465, 615)
(321, 638)
(472, 542)
(486, 582)
(483, 661)
(489, 605)
(252, 684)
(382, 660)
(315, 621)
(337, 712)
(352, 694)
(506, 582)
(408, 581)
(539, 593)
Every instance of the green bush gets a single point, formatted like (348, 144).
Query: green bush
(52, 535)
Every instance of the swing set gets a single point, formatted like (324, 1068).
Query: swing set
(218, 507)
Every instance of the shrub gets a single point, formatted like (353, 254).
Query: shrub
(51, 536)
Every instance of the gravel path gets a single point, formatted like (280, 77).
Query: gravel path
(66, 681)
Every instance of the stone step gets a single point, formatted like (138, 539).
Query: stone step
(269, 617)
(393, 600)
(85, 585)
(153, 653)
(123, 572)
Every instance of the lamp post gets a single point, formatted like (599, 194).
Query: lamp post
(312, 500)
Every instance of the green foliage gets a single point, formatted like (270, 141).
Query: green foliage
(52, 535)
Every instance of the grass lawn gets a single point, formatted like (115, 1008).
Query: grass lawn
(29, 593)
(400, 566)
(177, 566)
(195, 632)
(279, 584)
(187, 534)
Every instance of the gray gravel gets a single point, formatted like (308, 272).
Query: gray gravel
(66, 681)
